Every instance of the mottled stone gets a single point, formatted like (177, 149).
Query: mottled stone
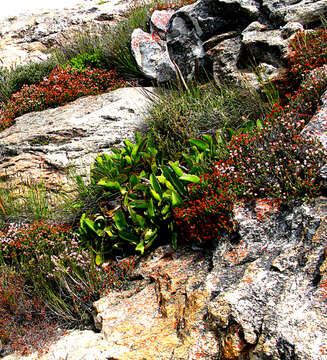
(163, 319)
(159, 22)
(290, 29)
(50, 27)
(43, 145)
(303, 11)
(260, 45)
(268, 284)
(151, 55)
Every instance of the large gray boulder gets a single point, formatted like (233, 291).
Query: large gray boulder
(306, 12)
(193, 24)
(43, 145)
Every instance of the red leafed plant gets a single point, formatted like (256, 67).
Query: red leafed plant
(62, 85)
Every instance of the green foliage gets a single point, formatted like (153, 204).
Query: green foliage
(64, 276)
(84, 60)
(111, 43)
(146, 192)
(177, 115)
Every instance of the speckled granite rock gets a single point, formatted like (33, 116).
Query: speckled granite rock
(43, 145)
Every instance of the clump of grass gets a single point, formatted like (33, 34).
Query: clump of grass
(30, 201)
(179, 115)
(110, 42)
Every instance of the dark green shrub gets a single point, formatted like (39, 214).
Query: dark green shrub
(28, 74)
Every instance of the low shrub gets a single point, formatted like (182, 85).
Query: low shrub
(24, 322)
(144, 191)
(13, 80)
(272, 162)
(62, 86)
(85, 60)
(59, 271)
(308, 52)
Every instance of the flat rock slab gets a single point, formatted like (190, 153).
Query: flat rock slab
(43, 145)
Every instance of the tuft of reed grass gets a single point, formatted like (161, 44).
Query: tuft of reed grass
(181, 114)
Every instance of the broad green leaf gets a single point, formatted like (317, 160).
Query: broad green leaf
(109, 184)
(207, 138)
(188, 159)
(138, 148)
(129, 144)
(139, 187)
(165, 210)
(155, 184)
(173, 179)
(176, 200)
(128, 159)
(140, 247)
(155, 195)
(176, 168)
(99, 260)
(128, 236)
(190, 178)
(149, 233)
(133, 180)
(151, 210)
(136, 218)
(139, 204)
(120, 221)
(199, 144)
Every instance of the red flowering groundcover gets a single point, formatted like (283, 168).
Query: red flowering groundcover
(62, 85)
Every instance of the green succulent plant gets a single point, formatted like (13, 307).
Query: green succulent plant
(148, 191)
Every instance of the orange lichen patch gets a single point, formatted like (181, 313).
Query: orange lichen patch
(265, 207)
(237, 254)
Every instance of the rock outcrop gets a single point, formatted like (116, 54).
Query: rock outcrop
(43, 145)
(230, 37)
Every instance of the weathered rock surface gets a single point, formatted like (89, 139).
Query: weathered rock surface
(304, 11)
(151, 55)
(205, 36)
(43, 145)
(27, 36)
